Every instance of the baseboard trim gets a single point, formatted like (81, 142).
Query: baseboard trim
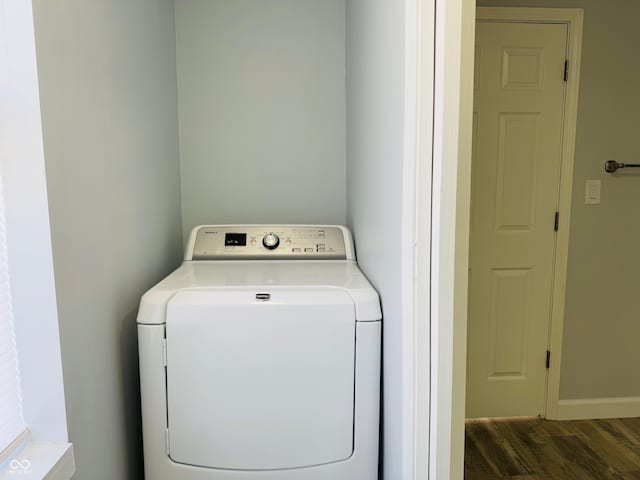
(593, 408)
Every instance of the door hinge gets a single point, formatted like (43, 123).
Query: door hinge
(566, 70)
(556, 223)
(166, 441)
(548, 358)
(164, 352)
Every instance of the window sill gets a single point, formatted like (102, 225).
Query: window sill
(41, 461)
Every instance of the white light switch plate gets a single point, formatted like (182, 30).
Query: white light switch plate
(592, 192)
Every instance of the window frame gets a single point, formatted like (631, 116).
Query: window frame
(29, 253)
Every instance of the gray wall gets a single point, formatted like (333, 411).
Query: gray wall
(375, 122)
(108, 91)
(601, 343)
(261, 89)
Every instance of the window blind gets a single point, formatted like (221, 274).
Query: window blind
(11, 421)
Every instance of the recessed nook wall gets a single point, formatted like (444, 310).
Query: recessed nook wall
(261, 90)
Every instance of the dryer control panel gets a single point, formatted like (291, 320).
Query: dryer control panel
(264, 242)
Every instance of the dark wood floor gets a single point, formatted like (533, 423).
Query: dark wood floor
(536, 449)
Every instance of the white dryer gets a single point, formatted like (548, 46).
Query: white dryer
(260, 359)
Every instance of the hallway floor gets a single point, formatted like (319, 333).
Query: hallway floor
(536, 449)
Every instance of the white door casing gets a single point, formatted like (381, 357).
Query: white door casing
(449, 192)
(518, 124)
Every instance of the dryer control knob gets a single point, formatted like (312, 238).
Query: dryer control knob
(271, 241)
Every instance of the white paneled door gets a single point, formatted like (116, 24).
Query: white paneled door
(518, 118)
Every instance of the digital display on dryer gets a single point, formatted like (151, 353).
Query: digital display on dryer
(235, 240)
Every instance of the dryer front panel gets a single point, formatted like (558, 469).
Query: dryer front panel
(260, 380)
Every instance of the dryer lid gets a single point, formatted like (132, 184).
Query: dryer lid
(263, 276)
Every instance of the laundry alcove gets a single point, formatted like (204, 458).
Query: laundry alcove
(158, 115)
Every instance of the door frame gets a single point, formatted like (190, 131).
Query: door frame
(449, 32)
(445, 346)
(573, 18)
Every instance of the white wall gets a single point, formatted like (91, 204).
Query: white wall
(375, 153)
(108, 95)
(261, 88)
(600, 354)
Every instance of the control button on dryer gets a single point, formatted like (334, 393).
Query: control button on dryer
(271, 241)
(308, 249)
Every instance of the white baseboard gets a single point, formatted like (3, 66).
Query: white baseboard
(592, 408)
